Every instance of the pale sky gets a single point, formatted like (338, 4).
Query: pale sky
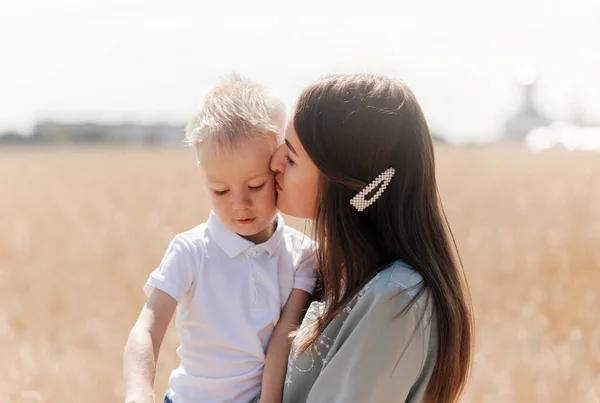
(151, 60)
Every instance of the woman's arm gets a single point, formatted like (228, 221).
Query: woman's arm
(279, 345)
(143, 346)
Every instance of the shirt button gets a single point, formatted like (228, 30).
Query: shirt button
(251, 253)
(255, 278)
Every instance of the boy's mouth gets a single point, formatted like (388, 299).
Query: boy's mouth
(246, 220)
(277, 187)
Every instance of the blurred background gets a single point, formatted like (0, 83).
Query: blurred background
(95, 181)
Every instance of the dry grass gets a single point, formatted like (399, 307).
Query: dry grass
(82, 228)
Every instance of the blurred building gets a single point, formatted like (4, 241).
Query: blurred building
(527, 116)
(60, 132)
(539, 132)
(566, 135)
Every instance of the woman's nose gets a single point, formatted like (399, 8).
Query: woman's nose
(277, 164)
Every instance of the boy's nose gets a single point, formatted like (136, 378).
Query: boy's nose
(241, 203)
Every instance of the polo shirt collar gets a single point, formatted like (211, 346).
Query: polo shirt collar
(233, 244)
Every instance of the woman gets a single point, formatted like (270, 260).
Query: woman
(394, 322)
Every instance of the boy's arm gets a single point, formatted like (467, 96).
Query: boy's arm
(279, 346)
(143, 345)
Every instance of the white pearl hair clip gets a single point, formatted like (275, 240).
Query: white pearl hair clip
(360, 203)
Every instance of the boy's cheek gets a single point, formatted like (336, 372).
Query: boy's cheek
(217, 204)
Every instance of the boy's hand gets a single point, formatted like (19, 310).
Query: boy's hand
(141, 399)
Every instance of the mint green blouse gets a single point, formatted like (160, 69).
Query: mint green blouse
(368, 353)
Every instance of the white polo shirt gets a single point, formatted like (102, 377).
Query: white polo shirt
(230, 293)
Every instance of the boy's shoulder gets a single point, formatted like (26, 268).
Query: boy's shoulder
(194, 236)
(296, 241)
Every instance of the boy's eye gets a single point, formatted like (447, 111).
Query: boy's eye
(256, 188)
(289, 160)
(220, 192)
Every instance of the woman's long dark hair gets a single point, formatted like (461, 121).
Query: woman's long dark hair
(354, 127)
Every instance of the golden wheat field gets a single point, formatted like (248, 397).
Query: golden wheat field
(81, 228)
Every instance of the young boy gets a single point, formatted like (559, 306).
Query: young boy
(240, 282)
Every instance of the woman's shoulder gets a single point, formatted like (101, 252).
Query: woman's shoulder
(391, 292)
(397, 277)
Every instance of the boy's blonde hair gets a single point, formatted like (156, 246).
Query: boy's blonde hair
(237, 108)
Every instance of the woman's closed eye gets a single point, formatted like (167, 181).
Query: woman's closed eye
(220, 192)
(288, 160)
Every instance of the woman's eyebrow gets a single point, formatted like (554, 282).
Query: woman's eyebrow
(289, 145)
